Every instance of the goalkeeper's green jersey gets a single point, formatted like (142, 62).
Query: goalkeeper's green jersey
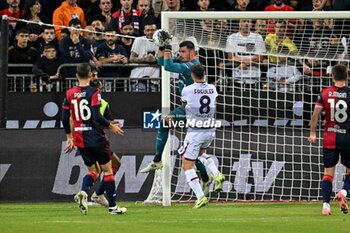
(182, 68)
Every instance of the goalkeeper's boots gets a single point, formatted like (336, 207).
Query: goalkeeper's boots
(219, 182)
(206, 185)
(117, 210)
(100, 199)
(81, 199)
(342, 202)
(152, 166)
(201, 202)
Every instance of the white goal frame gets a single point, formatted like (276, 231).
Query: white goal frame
(166, 16)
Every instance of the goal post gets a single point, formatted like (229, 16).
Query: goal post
(262, 148)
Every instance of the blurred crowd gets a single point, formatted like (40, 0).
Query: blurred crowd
(47, 47)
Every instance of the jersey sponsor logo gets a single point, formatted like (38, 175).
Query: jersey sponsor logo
(152, 119)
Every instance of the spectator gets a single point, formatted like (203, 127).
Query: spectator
(322, 4)
(275, 41)
(13, 11)
(46, 67)
(243, 5)
(283, 75)
(143, 51)
(90, 36)
(65, 13)
(278, 6)
(127, 42)
(22, 52)
(260, 27)
(126, 13)
(33, 13)
(147, 14)
(105, 13)
(98, 26)
(48, 37)
(111, 52)
(316, 6)
(203, 5)
(75, 48)
(245, 49)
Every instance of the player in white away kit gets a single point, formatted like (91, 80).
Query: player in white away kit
(199, 100)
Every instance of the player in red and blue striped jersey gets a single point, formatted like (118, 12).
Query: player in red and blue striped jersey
(335, 101)
(83, 104)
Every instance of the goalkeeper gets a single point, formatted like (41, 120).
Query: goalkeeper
(181, 65)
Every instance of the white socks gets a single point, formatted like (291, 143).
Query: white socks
(326, 206)
(344, 192)
(193, 182)
(209, 164)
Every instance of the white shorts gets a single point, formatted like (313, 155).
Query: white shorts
(194, 141)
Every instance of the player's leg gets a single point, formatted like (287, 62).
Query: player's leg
(103, 156)
(330, 159)
(213, 170)
(189, 155)
(162, 137)
(88, 180)
(98, 195)
(341, 195)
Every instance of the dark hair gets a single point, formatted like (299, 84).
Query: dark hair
(188, 44)
(340, 72)
(27, 5)
(127, 22)
(48, 28)
(22, 30)
(75, 21)
(83, 70)
(198, 71)
(50, 46)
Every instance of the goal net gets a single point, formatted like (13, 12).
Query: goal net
(269, 69)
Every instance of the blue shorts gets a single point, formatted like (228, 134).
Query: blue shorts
(91, 155)
(331, 157)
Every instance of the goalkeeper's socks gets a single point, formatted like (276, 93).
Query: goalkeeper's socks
(209, 163)
(346, 185)
(110, 189)
(162, 137)
(327, 183)
(193, 182)
(201, 168)
(88, 181)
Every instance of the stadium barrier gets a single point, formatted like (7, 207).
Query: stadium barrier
(25, 81)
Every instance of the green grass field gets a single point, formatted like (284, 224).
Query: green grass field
(180, 218)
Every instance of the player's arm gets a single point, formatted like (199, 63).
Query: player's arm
(313, 124)
(170, 65)
(96, 114)
(67, 126)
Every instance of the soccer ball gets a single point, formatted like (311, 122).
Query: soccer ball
(162, 38)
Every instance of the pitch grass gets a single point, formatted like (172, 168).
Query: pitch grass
(179, 218)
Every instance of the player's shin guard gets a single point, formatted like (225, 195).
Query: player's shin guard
(110, 189)
(162, 137)
(88, 181)
(193, 182)
(210, 164)
(327, 185)
(201, 168)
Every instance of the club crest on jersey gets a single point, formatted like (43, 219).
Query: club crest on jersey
(151, 119)
(99, 97)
